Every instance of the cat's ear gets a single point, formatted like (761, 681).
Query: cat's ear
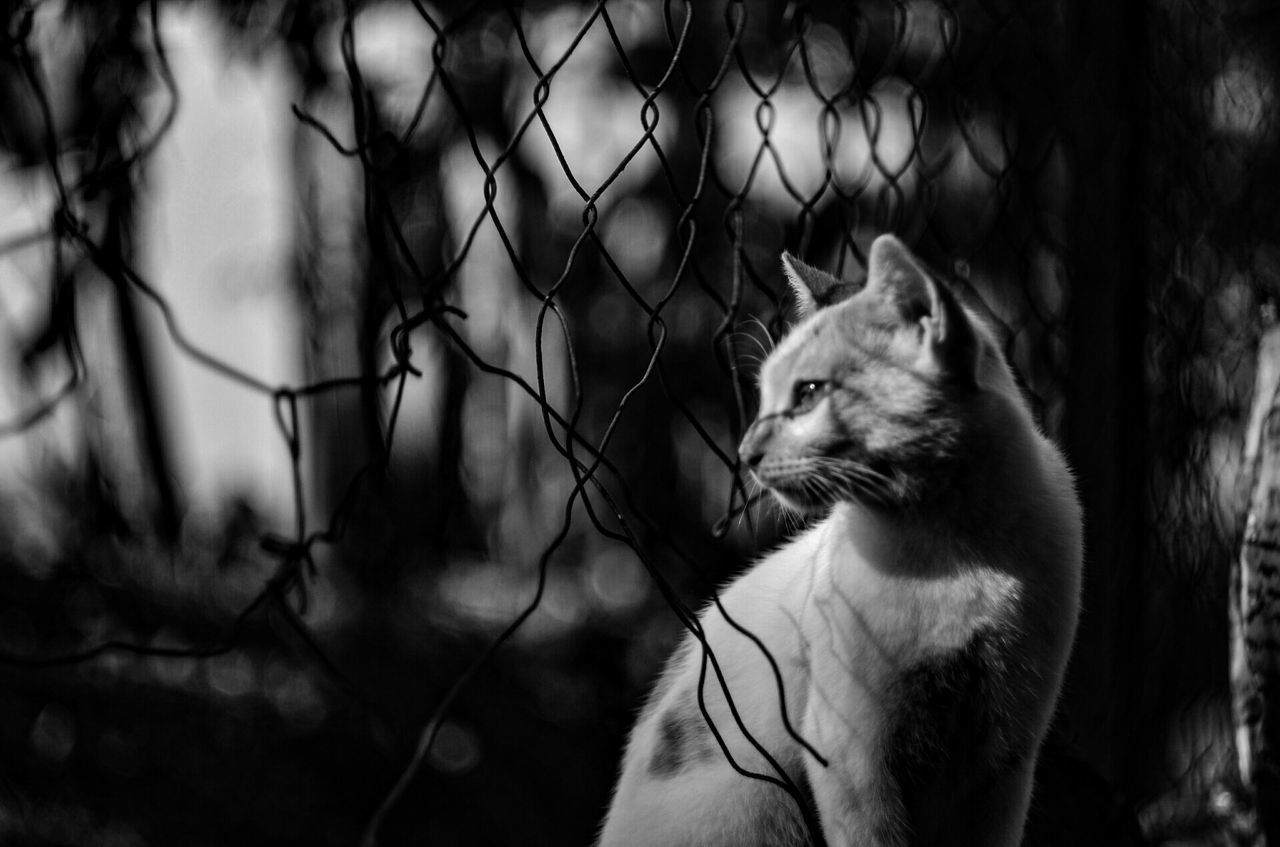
(814, 289)
(948, 344)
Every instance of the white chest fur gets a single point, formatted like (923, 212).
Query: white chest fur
(849, 609)
(844, 610)
(860, 583)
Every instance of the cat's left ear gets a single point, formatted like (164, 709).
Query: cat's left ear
(948, 344)
(814, 289)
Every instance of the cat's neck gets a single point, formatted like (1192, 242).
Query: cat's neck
(990, 508)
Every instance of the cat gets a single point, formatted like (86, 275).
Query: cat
(919, 630)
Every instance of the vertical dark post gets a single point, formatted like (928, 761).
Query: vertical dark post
(142, 386)
(114, 75)
(1103, 127)
(328, 257)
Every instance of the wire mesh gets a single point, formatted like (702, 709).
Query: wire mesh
(534, 258)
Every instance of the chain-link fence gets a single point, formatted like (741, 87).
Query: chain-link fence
(379, 522)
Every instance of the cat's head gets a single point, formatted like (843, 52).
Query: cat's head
(872, 395)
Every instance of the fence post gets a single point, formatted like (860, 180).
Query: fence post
(118, 56)
(1103, 433)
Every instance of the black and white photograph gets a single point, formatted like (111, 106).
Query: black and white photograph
(639, 423)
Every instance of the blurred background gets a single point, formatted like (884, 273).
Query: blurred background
(371, 375)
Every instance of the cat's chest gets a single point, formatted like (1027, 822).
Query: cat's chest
(900, 615)
(929, 616)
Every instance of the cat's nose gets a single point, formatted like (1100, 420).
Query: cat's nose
(755, 440)
(750, 451)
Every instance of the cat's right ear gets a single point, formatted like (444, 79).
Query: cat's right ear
(814, 289)
(947, 342)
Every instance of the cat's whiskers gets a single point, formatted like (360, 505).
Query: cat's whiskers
(855, 479)
(827, 488)
(872, 489)
(767, 334)
(749, 356)
(792, 518)
(850, 466)
(754, 494)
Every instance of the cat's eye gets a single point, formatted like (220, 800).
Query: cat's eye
(805, 393)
